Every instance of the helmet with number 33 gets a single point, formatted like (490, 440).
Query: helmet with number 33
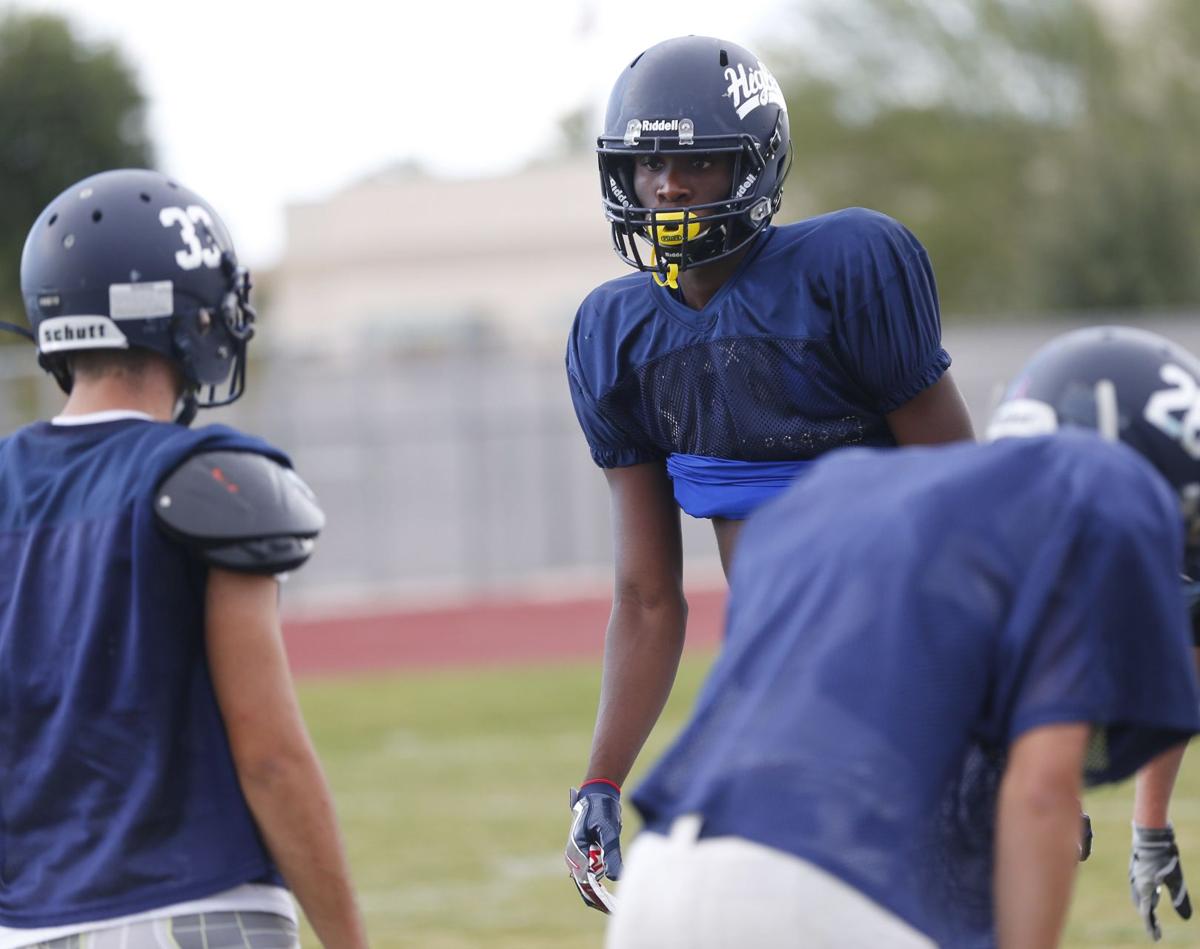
(1130, 385)
(129, 259)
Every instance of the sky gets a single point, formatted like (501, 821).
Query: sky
(259, 103)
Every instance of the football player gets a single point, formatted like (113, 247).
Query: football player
(157, 783)
(738, 354)
(929, 652)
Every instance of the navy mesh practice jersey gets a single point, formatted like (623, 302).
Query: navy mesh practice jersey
(897, 619)
(825, 327)
(117, 790)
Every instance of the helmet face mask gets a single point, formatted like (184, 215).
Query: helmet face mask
(129, 259)
(1127, 384)
(691, 96)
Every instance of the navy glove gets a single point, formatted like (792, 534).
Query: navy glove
(594, 845)
(1153, 864)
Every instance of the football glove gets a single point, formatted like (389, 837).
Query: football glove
(1085, 836)
(594, 844)
(1154, 863)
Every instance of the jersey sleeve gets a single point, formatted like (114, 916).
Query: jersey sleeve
(610, 448)
(888, 328)
(610, 442)
(1112, 646)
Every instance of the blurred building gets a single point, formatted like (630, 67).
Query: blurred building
(402, 260)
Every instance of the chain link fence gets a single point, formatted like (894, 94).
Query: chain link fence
(464, 472)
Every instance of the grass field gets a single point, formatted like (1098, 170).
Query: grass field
(452, 790)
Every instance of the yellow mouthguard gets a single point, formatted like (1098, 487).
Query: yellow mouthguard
(671, 234)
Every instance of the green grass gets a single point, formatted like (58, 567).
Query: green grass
(452, 792)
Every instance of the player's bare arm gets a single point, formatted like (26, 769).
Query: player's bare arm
(1037, 835)
(641, 655)
(727, 531)
(1153, 788)
(646, 629)
(1154, 860)
(937, 414)
(276, 764)
(1156, 783)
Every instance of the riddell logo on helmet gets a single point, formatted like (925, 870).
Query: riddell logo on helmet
(618, 192)
(749, 90)
(746, 185)
(684, 128)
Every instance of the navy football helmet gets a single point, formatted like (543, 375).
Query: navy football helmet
(128, 259)
(693, 94)
(1128, 384)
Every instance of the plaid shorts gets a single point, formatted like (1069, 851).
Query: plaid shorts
(228, 930)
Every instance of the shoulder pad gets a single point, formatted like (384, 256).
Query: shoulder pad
(241, 511)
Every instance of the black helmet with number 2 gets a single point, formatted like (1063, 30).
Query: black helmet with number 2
(1128, 384)
(130, 258)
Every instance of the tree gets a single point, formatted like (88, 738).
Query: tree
(1125, 228)
(67, 109)
(1044, 153)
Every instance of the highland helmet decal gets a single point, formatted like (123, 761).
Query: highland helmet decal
(749, 90)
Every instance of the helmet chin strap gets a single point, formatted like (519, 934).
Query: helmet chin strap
(667, 274)
(19, 330)
(186, 408)
(671, 280)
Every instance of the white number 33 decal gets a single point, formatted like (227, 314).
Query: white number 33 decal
(1184, 398)
(195, 253)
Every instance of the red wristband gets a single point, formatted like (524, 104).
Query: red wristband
(611, 784)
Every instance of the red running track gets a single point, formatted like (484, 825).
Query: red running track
(481, 633)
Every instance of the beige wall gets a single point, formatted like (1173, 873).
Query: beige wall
(402, 255)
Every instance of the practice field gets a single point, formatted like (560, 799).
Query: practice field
(452, 783)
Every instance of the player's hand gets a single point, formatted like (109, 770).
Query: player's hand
(594, 844)
(1154, 863)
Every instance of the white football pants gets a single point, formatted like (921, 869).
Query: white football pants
(684, 892)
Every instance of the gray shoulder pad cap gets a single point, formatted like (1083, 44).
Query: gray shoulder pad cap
(241, 511)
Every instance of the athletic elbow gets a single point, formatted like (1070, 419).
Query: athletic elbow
(266, 766)
(1041, 796)
(662, 599)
